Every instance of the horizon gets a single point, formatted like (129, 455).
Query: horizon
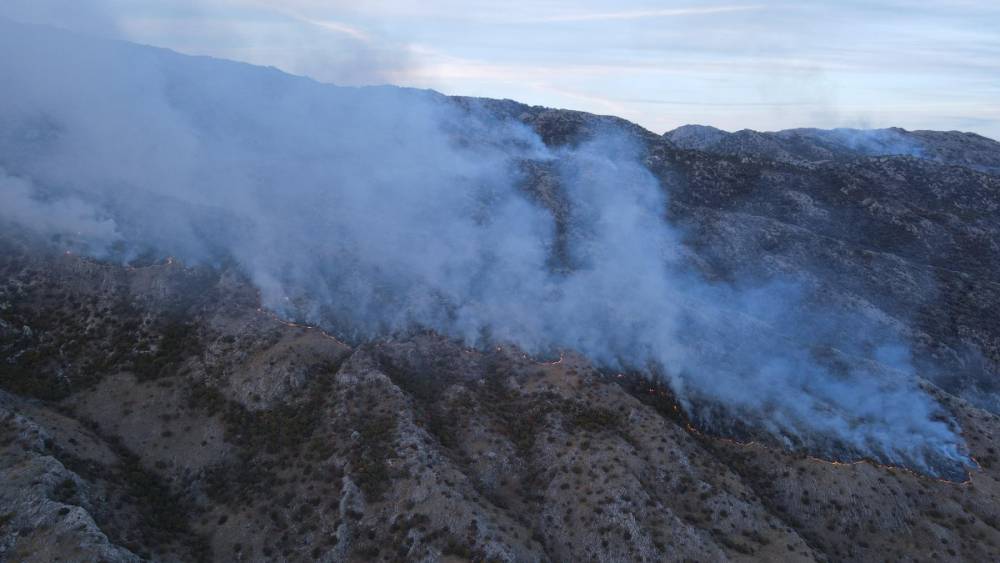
(765, 66)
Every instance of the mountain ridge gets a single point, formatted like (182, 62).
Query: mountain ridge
(813, 145)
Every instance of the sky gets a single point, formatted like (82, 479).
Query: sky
(733, 64)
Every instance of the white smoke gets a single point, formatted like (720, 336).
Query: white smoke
(380, 210)
(23, 206)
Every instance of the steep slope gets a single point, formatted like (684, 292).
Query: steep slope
(262, 440)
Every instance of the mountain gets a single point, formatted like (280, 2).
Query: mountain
(156, 412)
(818, 145)
(177, 385)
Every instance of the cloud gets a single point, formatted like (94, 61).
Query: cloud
(647, 14)
(339, 27)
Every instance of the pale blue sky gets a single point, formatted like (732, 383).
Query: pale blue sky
(733, 64)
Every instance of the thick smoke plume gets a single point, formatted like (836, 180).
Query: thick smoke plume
(379, 210)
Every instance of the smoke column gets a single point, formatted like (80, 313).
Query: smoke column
(380, 210)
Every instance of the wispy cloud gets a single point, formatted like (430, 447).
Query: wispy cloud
(646, 14)
(328, 24)
(339, 27)
(702, 103)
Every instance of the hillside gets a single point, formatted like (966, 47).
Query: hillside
(191, 424)
(242, 317)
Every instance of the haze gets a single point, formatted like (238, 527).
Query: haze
(763, 65)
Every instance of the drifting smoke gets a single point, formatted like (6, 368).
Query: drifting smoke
(380, 210)
(23, 205)
(873, 142)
